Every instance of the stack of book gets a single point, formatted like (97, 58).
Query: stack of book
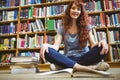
(23, 64)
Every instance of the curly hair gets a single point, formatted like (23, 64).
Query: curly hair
(82, 22)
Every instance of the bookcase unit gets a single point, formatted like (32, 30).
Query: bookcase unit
(24, 26)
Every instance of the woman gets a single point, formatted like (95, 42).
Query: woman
(75, 33)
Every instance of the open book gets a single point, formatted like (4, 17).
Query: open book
(70, 70)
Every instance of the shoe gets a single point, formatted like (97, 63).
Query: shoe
(102, 66)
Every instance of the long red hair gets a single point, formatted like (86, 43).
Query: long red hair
(82, 22)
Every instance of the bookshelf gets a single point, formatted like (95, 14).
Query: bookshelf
(19, 26)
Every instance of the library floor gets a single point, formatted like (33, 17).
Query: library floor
(63, 76)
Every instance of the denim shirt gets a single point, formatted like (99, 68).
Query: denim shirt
(72, 44)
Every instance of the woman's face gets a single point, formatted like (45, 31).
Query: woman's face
(75, 11)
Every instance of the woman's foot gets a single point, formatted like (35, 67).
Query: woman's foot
(102, 66)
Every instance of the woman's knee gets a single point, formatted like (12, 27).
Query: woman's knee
(97, 48)
(51, 52)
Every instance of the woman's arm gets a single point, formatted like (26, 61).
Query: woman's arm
(45, 46)
(57, 42)
(91, 40)
(100, 43)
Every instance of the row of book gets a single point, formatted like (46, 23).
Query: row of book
(42, 11)
(99, 35)
(8, 15)
(38, 26)
(30, 54)
(115, 53)
(27, 12)
(9, 3)
(30, 2)
(23, 64)
(8, 28)
(5, 58)
(30, 26)
(13, 3)
(35, 26)
(34, 41)
(103, 20)
(113, 19)
(93, 5)
(7, 43)
(50, 39)
(114, 36)
(111, 4)
(30, 41)
(51, 10)
(97, 20)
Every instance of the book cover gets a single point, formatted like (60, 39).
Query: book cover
(22, 43)
(17, 2)
(38, 25)
(51, 24)
(41, 25)
(10, 15)
(6, 43)
(31, 11)
(1, 44)
(99, 5)
(15, 14)
(12, 28)
(12, 3)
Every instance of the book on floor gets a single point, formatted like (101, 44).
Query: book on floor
(24, 59)
(20, 65)
(71, 72)
(23, 70)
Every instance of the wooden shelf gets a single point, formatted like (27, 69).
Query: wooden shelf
(8, 50)
(4, 22)
(7, 35)
(52, 3)
(10, 8)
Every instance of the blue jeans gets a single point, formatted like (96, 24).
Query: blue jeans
(89, 58)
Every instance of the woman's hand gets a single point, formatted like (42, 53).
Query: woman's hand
(104, 47)
(43, 49)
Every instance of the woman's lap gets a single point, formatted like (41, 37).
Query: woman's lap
(91, 57)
